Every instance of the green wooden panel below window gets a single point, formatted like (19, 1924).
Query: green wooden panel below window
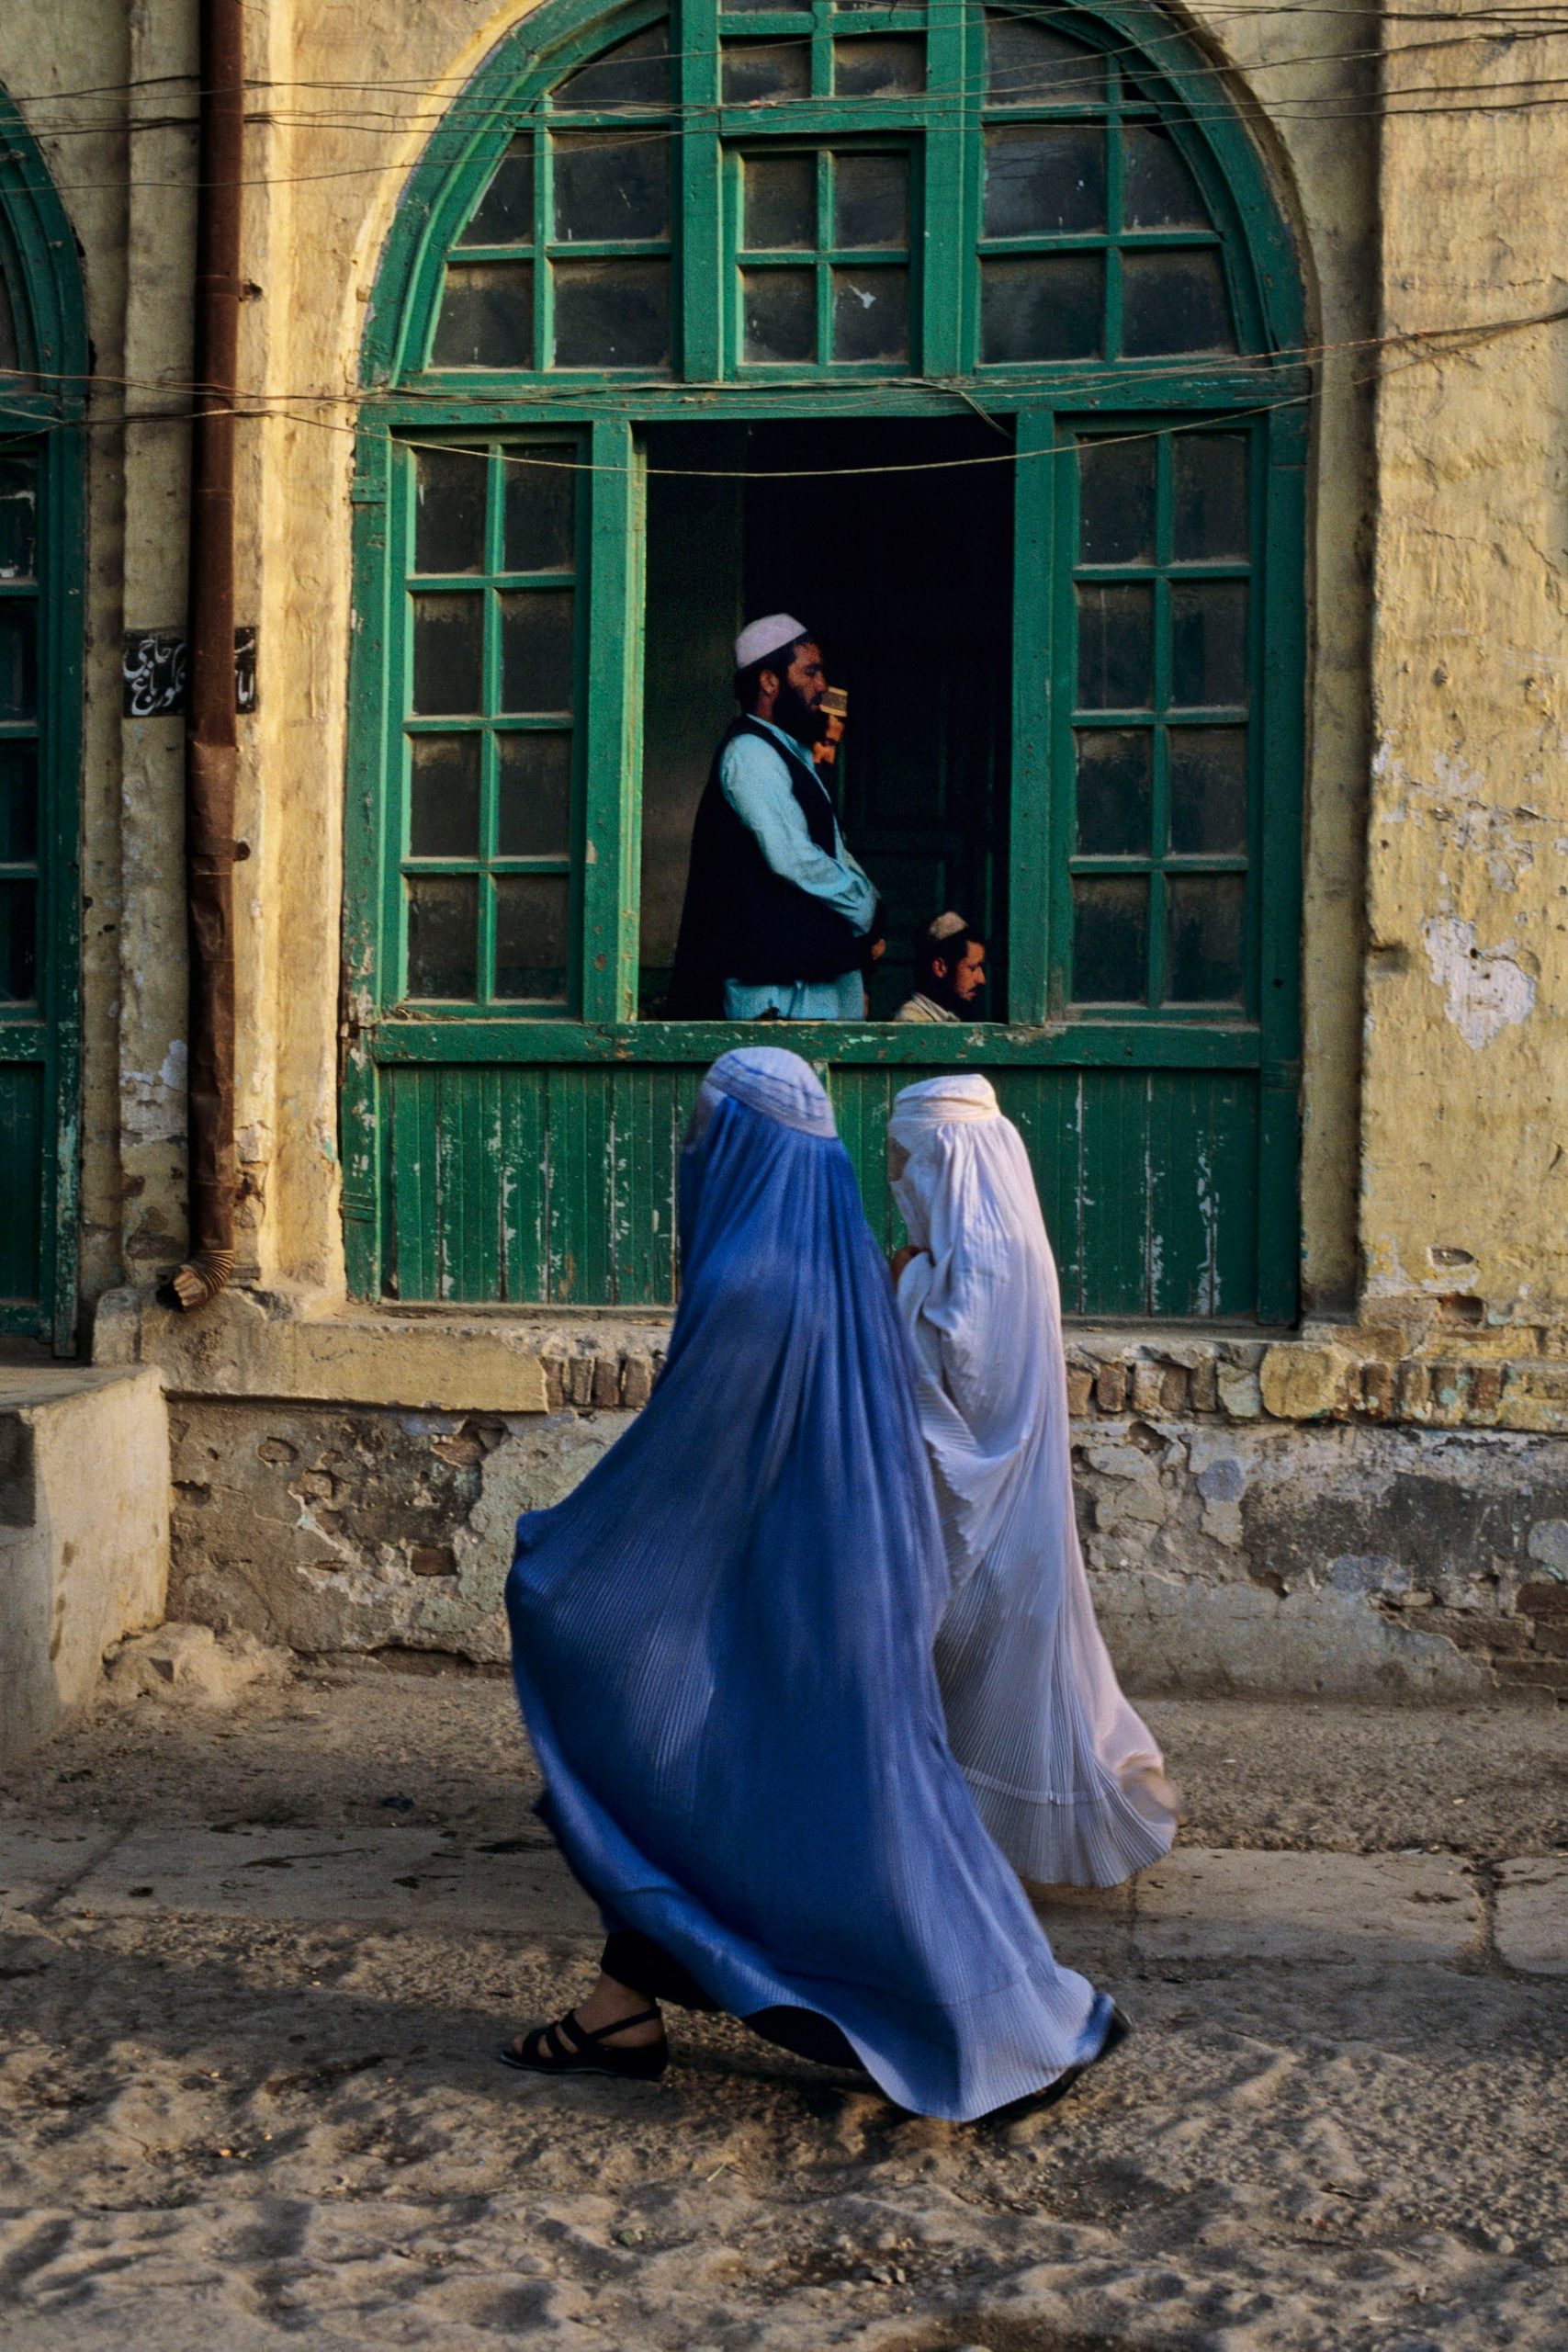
(25, 1129)
(558, 1185)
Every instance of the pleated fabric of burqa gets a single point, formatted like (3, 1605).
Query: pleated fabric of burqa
(723, 1647)
(1066, 1774)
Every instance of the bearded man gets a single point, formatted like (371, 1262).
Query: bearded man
(950, 972)
(779, 923)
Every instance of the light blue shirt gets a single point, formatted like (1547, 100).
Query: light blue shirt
(758, 786)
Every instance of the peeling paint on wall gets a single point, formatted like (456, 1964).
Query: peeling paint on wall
(1486, 989)
(153, 1107)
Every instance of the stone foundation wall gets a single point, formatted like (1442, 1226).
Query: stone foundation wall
(1232, 1548)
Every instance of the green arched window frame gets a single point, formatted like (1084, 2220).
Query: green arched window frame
(1152, 77)
(43, 401)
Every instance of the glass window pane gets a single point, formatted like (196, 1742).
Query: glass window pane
(1208, 790)
(533, 796)
(871, 200)
(1043, 177)
(530, 937)
(612, 313)
(448, 654)
(879, 67)
(1158, 189)
(487, 317)
(1115, 791)
(1116, 502)
(18, 657)
(871, 314)
(505, 214)
(1211, 495)
(449, 510)
(634, 73)
(608, 189)
(757, 71)
(1050, 306)
(18, 943)
(780, 314)
(443, 936)
(10, 350)
(538, 526)
(19, 803)
(1029, 64)
(1116, 647)
(443, 795)
(1206, 917)
(1110, 939)
(536, 670)
(19, 518)
(1174, 301)
(1208, 644)
(779, 202)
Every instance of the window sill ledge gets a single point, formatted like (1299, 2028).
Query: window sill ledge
(301, 1346)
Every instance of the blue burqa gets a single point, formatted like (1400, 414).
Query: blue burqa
(723, 1646)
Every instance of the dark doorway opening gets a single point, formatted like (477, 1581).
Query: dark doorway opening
(895, 548)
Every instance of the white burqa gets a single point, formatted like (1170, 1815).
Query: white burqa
(1064, 1774)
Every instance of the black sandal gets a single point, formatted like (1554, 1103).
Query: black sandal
(568, 2048)
(1118, 2026)
(1116, 2032)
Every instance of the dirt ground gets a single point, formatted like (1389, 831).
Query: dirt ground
(258, 2132)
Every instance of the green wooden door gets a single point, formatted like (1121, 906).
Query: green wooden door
(42, 362)
(778, 229)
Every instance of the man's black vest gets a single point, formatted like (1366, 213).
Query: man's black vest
(743, 922)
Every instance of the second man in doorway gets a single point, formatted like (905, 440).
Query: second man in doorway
(780, 922)
(950, 972)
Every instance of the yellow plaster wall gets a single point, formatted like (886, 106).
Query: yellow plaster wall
(65, 63)
(1464, 1148)
(397, 71)
(345, 94)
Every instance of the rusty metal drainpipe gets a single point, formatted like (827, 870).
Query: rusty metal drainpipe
(211, 740)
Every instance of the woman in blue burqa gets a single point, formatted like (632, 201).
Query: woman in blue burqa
(723, 1647)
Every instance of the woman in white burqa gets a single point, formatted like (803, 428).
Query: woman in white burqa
(1064, 1774)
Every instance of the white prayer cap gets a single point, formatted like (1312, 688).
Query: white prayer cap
(758, 638)
(946, 925)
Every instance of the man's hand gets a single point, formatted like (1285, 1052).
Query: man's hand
(900, 1258)
(878, 950)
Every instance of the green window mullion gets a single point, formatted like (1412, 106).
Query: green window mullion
(1159, 809)
(1279, 457)
(1040, 891)
(611, 829)
(940, 243)
(704, 267)
(494, 524)
(1258, 985)
(821, 52)
(544, 221)
(825, 194)
(1116, 164)
(401, 678)
(490, 796)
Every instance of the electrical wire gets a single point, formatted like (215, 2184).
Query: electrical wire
(1417, 348)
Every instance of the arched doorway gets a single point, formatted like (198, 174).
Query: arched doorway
(978, 335)
(43, 362)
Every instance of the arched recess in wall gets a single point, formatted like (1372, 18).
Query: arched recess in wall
(43, 384)
(975, 335)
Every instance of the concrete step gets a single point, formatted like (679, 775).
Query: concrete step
(84, 1534)
(1199, 1905)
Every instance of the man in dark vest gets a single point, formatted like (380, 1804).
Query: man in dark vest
(779, 923)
